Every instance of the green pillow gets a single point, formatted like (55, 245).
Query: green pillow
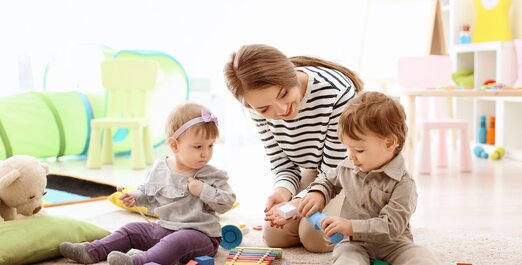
(36, 238)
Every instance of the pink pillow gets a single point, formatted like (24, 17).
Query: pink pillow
(518, 51)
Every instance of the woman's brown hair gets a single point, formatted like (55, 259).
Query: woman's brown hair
(258, 66)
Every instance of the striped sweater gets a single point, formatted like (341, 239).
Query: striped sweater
(310, 140)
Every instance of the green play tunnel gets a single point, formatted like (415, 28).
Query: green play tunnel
(55, 124)
(50, 124)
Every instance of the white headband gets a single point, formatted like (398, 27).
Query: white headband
(205, 117)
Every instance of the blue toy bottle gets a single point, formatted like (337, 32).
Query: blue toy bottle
(315, 220)
(482, 130)
(480, 152)
(464, 36)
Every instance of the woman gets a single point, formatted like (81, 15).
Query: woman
(295, 103)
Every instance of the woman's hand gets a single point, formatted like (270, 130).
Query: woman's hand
(279, 195)
(128, 199)
(336, 224)
(312, 202)
(195, 186)
(278, 221)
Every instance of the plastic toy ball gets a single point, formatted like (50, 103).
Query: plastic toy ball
(498, 153)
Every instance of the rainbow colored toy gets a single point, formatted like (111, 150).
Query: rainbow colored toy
(253, 255)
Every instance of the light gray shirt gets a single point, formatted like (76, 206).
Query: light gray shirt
(166, 194)
(380, 203)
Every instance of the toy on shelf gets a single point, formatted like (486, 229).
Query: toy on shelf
(287, 211)
(491, 131)
(315, 220)
(464, 36)
(482, 130)
(253, 255)
(492, 86)
(492, 23)
(463, 78)
(480, 152)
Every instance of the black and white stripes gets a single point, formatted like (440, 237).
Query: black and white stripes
(310, 140)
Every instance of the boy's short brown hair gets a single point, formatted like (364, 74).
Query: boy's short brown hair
(375, 112)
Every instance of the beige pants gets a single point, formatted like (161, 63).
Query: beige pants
(301, 231)
(396, 253)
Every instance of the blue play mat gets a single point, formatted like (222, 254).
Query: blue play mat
(63, 189)
(58, 196)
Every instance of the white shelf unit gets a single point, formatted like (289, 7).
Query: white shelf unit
(489, 61)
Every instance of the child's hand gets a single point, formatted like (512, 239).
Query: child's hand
(128, 199)
(312, 202)
(195, 186)
(278, 221)
(334, 224)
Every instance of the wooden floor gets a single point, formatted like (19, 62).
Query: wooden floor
(488, 200)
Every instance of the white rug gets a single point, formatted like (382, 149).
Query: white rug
(478, 249)
(450, 248)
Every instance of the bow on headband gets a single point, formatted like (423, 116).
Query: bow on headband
(205, 117)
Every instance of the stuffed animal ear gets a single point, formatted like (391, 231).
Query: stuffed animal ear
(9, 178)
(45, 167)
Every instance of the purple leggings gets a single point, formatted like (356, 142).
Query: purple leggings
(158, 244)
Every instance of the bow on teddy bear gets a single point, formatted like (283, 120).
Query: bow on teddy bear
(22, 185)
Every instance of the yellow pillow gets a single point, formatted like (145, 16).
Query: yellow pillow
(114, 199)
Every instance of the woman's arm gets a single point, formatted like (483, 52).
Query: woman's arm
(287, 174)
(334, 152)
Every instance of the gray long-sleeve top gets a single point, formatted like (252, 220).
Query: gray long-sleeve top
(166, 194)
(380, 203)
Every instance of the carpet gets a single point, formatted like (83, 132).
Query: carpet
(449, 248)
(63, 190)
(478, 249)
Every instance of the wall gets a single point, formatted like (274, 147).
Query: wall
(68, 36)
(200, 34)
(516, 18)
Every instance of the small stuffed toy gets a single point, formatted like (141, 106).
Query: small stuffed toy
(22, 185)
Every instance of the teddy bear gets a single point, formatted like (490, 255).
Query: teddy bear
(22, 185)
